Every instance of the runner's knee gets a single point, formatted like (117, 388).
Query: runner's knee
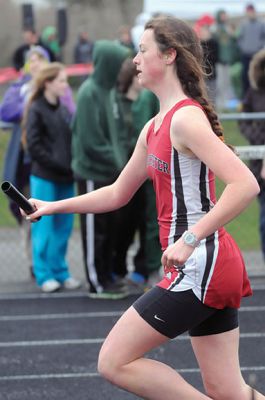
(108, 367)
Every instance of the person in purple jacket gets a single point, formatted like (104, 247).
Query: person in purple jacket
(17, 163)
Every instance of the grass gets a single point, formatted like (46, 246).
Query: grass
(6, 219)
(244, 228)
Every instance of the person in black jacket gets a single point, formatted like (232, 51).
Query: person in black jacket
(83, 49)
(31, 39)
(48, 140)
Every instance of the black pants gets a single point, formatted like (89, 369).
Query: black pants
(98, 232)
(131, 218)
(139, 215)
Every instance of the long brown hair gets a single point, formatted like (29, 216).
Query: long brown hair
(47, 74)
(172, 33)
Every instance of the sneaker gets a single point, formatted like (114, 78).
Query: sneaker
(71, 283)
(155, 277)
(49, 286)
(111, 292)
(134, 288)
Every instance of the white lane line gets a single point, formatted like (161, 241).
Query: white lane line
(252, 308)
(63, 342)
(95, 374)
(49, 376)
(96, 314)
(66, 342)
(251, 335)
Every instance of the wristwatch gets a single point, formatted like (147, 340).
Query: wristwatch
(190, 239)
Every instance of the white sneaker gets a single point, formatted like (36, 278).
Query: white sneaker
(50, 285)
(71, 283)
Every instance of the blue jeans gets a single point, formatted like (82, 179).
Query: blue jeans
(50, 235)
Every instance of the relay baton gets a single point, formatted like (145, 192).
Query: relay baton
(14, 194)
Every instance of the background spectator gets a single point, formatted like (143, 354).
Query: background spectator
(83, 49)
(139, 215)
(251, 39)
(50, 40)
(254, 130)
(98, 157)
(145, 108)
(210, 51)
(30, 38)
(131, 217)
(235, 68)
(227, 53)
(17, 162)
(125, 38)
(48, 134)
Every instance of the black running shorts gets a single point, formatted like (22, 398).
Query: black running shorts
(173, 313)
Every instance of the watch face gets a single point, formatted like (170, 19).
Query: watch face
(189, 238)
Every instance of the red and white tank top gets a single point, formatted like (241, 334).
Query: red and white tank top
(185, 192)
(184, 186)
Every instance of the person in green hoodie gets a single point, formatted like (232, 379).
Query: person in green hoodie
(98, 156)
(50, 40)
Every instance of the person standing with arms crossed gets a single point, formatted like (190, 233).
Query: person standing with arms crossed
(205, 276)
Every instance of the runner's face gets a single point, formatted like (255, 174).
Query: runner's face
(149, 61)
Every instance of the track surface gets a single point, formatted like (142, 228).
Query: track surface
(49, 346)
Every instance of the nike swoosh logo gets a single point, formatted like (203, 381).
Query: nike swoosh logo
(159, 319)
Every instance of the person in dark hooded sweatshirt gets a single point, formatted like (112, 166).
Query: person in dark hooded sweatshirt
(254, 130)
(99, 154)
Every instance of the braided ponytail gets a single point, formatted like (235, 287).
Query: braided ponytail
(171, 32)
(194, 87)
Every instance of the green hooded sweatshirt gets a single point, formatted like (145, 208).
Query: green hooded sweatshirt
(144, 108)
(53, 44)
(136, 113)
(98, 145)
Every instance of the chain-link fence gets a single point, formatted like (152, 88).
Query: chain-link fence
(14, 263)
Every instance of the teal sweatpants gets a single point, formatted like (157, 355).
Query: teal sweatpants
(51, 233)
